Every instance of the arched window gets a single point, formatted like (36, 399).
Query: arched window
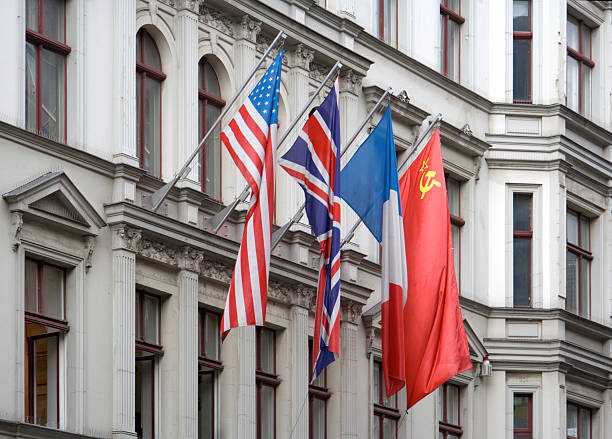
(149, 77)
(209, 106)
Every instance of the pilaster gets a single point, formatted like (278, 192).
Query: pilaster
(124, 86)
(299, 370)
(124, 243)
(350, 313)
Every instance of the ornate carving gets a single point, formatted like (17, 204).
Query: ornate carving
(467, 130)
(157, 251)
(191, 5)
(351, 311)
(190, 259)
(17, 225)
(90, 243)
(248, 29)
(216, 19)
(169, 2)
(301, 56)
(262, 44)
(403, 97)
(127, 238)
(216, 270)
(477, 166)
(277, 292)
(370, 338)
(305, 297)
(318, 71)
(350, 81)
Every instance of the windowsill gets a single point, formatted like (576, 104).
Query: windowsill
(213, 364)
(62, 325)
(388, 412)
(149, 347)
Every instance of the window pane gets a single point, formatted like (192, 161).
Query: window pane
(521, 20)
(376, 382)
(572, 420)
(53, 292)
(390, 21)
(31, 286)
(212, 336)
(152, 128)
(521, 411)
(453, 50)
(144, 398)
(46, 384)
(376, 427)
(30, 90)
(52, 98)
(456, 231)
(318, 419)
(267, 350)
(32, 15)
(572, 282)
(522, 272)
(139, 77)
(138, 322)
(454, 5)
(53, 19)
(151, 316)
(522, 70)
(267, 412)
(441, 403)
(452, 404)
(213, 154)
(585, 235)
(212, 85)
(572, 83)
(585, 293)
(206, 405)
(521, 212)
(586, 91)
(442, 38)
(572, 227)
(151, 58)
(389, 428)
(586, 41)
(585, 423)
(573, 33)
(522, 436)
(320, 380)
(452, 187)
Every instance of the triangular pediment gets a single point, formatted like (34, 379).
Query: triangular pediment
(53, 197)
(475, 345)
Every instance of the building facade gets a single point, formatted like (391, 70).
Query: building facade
(111, 310)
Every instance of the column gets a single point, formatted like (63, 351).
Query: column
(298, 334)
(124, 243)
(349, 425)
(189, 264)
(124, 86)
(289, 195)
(187, 93)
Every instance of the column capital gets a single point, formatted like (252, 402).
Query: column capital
(216, 19)
(304, 297)
(190, 259)
(350, 311)
(125, 237)
(248, 29)
(300, 56)
(187, 5)
(350, 81)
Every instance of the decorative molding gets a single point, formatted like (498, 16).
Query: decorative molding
(403, 97)
(216, 270)
(350, 81)
(278, 292)
(126, 238)
(248, 29)
(350, 311)
(90, 244)
(17, 225)
(305, 297)
(318, 71)
(301, 56)
(158, 251)
(190, 259)
(216, 19)
(191, 5)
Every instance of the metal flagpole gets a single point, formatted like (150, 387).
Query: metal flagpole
(278, 234)
(422, 137)
(159, 195)
(219, 219)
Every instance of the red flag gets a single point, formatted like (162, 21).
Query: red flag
(436, 344)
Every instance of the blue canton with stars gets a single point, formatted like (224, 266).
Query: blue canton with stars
(265, 94)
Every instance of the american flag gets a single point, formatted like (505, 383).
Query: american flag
(250, 138)
(314, 160)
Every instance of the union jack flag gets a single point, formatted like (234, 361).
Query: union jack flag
(250, 138)
(314, 160)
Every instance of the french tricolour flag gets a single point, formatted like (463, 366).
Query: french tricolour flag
(370, 186)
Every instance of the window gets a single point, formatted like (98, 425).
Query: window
(318, 394)
(522, 419)
(209, 366)
(454, 208)
(45, 325)
(148, 349)
(578, 422)
(448, 412)
(450, 38)
(521, 63)
(579, 65)
(386, 21)
(209, 108)
(579, 257)
(386, 413)
(267, 381)
(521, 249)
(46, 52)
(149, 77)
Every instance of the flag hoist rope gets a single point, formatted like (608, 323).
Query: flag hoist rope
(278, 235)
(217, 221)
(416, 146)
(159, 195)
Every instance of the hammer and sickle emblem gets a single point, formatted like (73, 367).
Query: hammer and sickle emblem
(430, 183)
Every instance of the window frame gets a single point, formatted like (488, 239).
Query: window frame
(42, 41)
(524, 235)
(448, 14)
(457, 221)
(263, 378)
(381, 21)
(582, 254)
(529, 429)
(143, 71)
(380, 410)
(522, 35)
(42, 319)
(580, 408)
(581, 58)
(142, 344)
(206, 365)
(445, 427)
(152, 357)
(316, 392)
(205, 98)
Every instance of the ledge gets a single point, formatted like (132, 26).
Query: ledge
(23, 430)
